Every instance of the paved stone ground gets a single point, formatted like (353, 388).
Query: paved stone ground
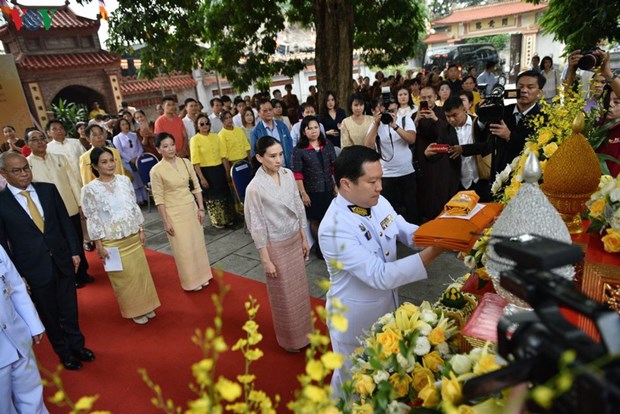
(233, 251)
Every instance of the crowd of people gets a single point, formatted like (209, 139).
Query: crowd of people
(360, 176)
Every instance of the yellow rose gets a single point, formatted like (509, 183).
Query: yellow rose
(544, 137)
(597, 208)
(533, 147)
(512, 189)
(429, 395)
(432, 361)
(549, 149)
(389, 342)
(451, 389)
(436, 336)
(363, 384)
(400, 384)
(421, 377)
(408, 308)
(611, 241)
(543, 165)
(486, 364)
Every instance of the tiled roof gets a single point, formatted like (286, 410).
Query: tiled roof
(69, 60)
(131, 86)
(437, 38)
(66, 19)
(489, 11)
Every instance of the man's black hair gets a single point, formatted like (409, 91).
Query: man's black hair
(533, 74)
(453, 102)
(350, 162)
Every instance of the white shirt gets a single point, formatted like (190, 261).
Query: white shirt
(237, 120)
(396, 156)
(216, 124)
(190, 128)
(70, 148)
(469, 170)
(23, 201)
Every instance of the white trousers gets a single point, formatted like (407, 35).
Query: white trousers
(21, 390)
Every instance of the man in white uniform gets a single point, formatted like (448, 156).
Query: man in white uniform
(21, 390)
(359, 233)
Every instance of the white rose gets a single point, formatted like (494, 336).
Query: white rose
(615, 220)
(422, 346)
(443, 349)
(614, 195)
(605, 180)
(380, 376)
(495, 187)
(396, 407)
(386, 319)
(430, 317)
(515, 162)
(461, 364)
(423, 327)
(606, 189)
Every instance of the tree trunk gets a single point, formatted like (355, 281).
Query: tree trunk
(334, 49)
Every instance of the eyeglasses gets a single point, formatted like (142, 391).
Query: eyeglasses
(204, 124)
(36, 139)
(18, 171)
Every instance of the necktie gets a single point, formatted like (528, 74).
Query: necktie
(518, 116)
(34, 211)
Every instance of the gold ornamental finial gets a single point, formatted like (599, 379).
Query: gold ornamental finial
(579, 123)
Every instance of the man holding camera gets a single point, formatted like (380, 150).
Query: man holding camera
(391, 136)
(507, 138)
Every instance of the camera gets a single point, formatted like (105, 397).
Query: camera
(534, 342)
(589, 59)
(492, 109)
(386, 117)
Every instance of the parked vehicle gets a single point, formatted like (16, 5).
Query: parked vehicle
(464, 55)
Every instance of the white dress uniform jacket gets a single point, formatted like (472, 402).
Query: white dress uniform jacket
(369, 275)
(20, 382)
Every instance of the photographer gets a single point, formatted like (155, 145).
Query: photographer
(391, 136)
(506, 139)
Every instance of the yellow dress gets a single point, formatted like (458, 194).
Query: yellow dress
(171, 188)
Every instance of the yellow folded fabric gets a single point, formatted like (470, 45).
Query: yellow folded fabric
(462, 203)
(456, 233)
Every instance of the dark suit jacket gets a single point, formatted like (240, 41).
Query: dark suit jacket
(504, 152)
(33, 252)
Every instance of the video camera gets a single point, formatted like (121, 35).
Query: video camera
(491, 110)
(534, 342)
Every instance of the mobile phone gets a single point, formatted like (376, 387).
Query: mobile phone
(424, 105)
(441, 148)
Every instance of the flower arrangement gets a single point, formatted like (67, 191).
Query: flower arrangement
(407, 361)
(552, 126)
(604, 212)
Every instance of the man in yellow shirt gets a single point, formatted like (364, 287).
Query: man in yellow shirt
(96, 111)
(56, 169)
(96, 136)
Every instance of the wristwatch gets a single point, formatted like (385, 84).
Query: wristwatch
(396, 128)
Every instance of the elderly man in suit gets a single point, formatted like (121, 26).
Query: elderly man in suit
(358, 236)
(20, 382)
(35, 225)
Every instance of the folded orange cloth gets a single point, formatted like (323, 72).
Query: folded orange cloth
(456, 233)
(462, 203)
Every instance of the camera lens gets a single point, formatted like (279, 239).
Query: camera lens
(588, 61)
(386, 118)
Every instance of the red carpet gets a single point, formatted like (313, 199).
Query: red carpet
(163, 346)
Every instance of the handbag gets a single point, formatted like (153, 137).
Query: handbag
(483, 164)
(191, 183)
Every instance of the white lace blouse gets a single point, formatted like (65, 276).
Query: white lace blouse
(273, 212)
(110, 209)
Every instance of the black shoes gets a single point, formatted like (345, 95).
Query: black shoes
(84, 355)
(70, 362)
(81, 281)
(73, 362)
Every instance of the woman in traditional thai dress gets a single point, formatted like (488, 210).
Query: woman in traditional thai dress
(130, 148)
(210, 163)
(276, 218)
(115, 220)
(178, 198)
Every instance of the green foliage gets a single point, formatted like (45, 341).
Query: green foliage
(69, 113)
(440, 8)
(238, 38)
(581, 24)
(500, 41)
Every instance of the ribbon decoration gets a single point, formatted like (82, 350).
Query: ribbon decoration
(102, 10)
(47, 15)
(16, 15)
(6, 9)
(32, 20)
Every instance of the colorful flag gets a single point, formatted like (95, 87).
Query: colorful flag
(16, 16)
(47, 15)
(102, 10)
